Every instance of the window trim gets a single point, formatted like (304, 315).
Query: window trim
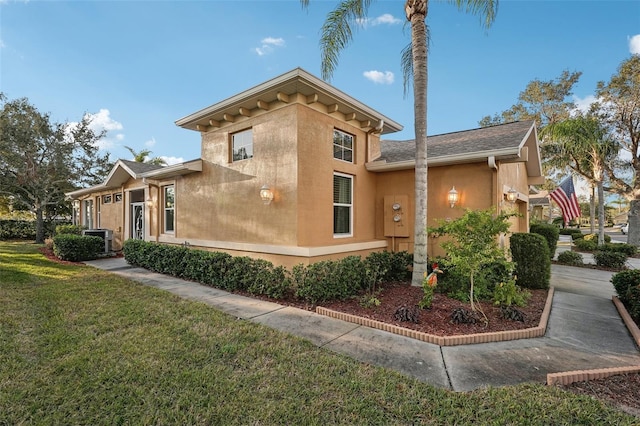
(352, 149)
(87, 216)
(350, 205)
(232, 145)
(165, 209)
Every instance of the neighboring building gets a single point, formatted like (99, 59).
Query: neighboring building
(331, 187)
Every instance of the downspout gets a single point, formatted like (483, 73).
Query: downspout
(491, 161)
(155, 221)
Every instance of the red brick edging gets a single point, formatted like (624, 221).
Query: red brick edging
(568, 377)
(468, 339)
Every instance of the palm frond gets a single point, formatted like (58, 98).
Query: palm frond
(486, 9)
(337, 32)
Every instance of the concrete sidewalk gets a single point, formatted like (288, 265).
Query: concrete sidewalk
(584, 332)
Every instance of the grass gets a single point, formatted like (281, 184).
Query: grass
(83, 346)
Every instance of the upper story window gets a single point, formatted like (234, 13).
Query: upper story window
(342, 205)
(169, 208)
(342, 146)
(242, 145)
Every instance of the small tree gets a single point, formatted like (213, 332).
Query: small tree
(473, 241)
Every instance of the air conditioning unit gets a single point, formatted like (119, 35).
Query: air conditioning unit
(105, 234)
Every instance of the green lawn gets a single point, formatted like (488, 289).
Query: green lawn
(83, 346)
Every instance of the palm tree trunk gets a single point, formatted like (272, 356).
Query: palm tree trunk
(592, 209)
(416, 11)
(600, 213)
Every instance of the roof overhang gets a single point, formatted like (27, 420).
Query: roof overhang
(174, 170)
(527, 151)
(281, 90)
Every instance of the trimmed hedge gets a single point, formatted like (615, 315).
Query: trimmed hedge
(26, 229)
(76, 248)
(551, 233)
(610, 259)
(570, 258)
(69, 229)
(627, 285)
(628, 249)
(530, 253)
(318, 282)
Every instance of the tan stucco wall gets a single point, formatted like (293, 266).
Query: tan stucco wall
(474, 183)
(222, 202)
(316, 168)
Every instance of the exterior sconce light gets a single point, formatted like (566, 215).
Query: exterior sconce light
(149, 201)
(266, 194)
(512, 195)
(452, 197)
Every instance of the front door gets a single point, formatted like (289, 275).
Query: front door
(137, 221)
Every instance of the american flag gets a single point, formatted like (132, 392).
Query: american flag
(565, 196)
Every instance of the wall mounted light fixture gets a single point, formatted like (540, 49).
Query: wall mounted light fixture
(266, 194)
(452, 197)
(512, 195)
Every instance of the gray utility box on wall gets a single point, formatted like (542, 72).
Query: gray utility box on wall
(105, 234)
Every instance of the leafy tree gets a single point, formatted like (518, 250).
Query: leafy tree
(619, 106)
(582, 144)
(142, 156)
(41, 160)
(546, 102)
(473, 242)
(337, 33)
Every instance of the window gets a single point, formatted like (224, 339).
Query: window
(342, 146)
(169, 202)
(87, 219)
(342, 205)
(117, 197)
(242, 145)
(106, 199)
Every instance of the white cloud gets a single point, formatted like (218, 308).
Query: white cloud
(172, 160)
(268, 45)
(150, 143)
(385, 19)
(634, 44)
(583, 104)
(102, 121)
(379, 77)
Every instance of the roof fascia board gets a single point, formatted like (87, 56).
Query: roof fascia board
(174, 170)
(297, 74)
(384, 166)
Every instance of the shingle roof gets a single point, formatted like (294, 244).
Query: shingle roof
(138, 168)
(486, 139)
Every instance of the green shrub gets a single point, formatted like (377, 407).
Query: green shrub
(216, 269)
(271, 281)
(530, 253)
(455, 283)
(549, 232)
(570, 258)
(507, 293)
(329, 279)
(610, 259)
(389, 266)
(76, 248)
(585, 245)
(17, 230)
(628, 249)
(69, 229)
(627, 286)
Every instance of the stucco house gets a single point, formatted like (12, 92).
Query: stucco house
(294, 171)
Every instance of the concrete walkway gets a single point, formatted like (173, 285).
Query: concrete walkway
(584, 332)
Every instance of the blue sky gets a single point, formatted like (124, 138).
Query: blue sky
(137, 66)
